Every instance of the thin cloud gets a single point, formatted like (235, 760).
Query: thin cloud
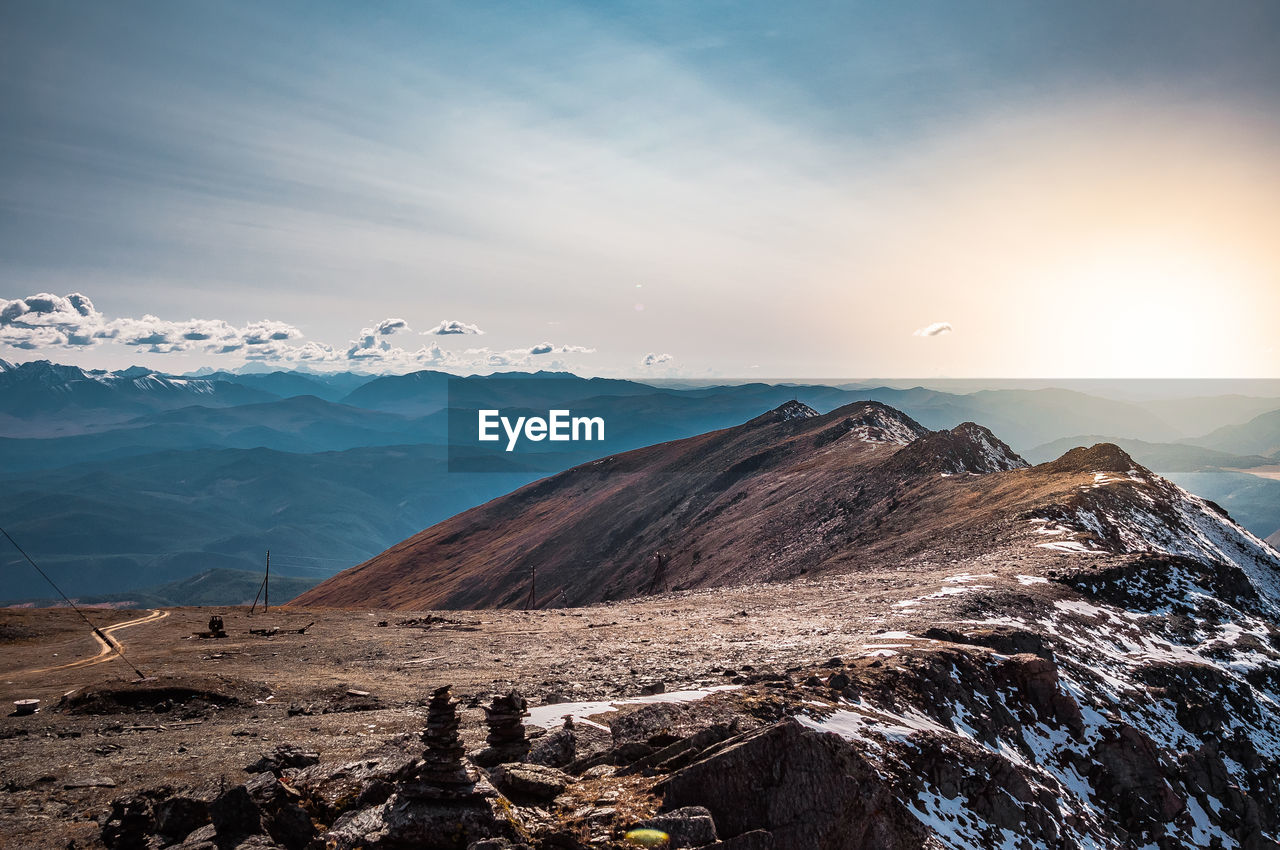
(651, 359)
(934, 329)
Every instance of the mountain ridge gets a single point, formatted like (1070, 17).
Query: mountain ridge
(773, 499)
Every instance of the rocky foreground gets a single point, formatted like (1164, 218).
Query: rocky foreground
(1052, 701)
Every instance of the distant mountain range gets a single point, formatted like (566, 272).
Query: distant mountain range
(1260, 436)
(128, 479)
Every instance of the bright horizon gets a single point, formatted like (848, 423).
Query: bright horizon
(1032, 191)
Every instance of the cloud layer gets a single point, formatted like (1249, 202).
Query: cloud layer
(69, 322)
(45, 320)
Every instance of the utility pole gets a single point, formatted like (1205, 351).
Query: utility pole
(266, 586)
(533, 586)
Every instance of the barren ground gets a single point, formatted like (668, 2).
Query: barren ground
(684, 640)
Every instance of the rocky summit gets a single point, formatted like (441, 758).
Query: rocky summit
(835, 631)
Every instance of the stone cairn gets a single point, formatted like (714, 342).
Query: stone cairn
(506, 739)
(442, 772)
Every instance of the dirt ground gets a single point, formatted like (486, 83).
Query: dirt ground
(356, 679)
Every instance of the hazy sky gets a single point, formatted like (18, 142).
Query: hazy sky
(694, 188)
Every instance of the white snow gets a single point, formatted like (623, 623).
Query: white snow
(549, 716)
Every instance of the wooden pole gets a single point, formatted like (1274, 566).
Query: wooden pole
(257, 596)
(266, 585)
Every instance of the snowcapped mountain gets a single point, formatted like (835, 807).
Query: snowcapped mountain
(40, 390)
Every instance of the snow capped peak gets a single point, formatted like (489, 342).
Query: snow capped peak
(987, 452)
(794, 410)
(6, 366)
(872, 422)
(966, 449)
(1147, 513)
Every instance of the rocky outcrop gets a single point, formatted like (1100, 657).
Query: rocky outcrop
(805, 788)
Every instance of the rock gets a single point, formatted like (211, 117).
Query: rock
(358, 784)
(1005, 640)
(177, 817)
(283, 757)
(690, 826)
(423, 824)
(130, 823)
(1035, 679)
(838, 681)
(807, 788)
(557, 749)
(533, 783)
(201, 839)
(234, 815)
(283, 815)
(656, 725)
(681, 752)
(258, 842)
(653, 688)
(1128, 778)
(756, 839)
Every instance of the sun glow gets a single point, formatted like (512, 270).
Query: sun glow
(1153, 309)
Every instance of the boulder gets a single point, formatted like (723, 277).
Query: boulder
(557, 749)
(235, 815)
(283, 816)
(412, 823)
(130, 823)
(177, 817)
(807, 788)
(528, 783)
(691, 826)
(283, 757)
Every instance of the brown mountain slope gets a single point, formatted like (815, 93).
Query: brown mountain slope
(787, 494)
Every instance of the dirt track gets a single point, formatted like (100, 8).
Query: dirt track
(109, 648)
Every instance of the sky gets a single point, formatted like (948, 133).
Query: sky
(666, 189)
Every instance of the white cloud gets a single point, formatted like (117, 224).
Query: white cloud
(650, 360)
(934, 329)
(53, 321)
(71, 321)
(449, 327)
(46, 320)
(375, 342)
(551, 348)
